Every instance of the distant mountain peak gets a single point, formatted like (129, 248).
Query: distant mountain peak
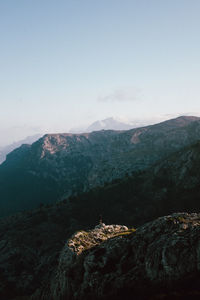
(109, 124)
(178, 121)
(185, 119)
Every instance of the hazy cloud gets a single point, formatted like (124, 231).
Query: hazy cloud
(122, 95)
(9, 135)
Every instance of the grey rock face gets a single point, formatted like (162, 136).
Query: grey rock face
(160, 257)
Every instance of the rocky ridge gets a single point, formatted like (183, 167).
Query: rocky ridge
(159, 259)
(30, 242)
(39, 259)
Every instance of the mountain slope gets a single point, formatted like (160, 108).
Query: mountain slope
(61, 165)
(173, 184)
(31, 242)
(7, 149)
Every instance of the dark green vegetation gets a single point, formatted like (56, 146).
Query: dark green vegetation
(30, 242)
(171, 185)
(119, 167)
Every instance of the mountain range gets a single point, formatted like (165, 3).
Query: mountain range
(59, 166)
(68, 185)
(106, 124)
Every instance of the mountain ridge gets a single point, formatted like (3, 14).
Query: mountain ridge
(58, 166)
(7, 149)
(33, 244)
(156, 257)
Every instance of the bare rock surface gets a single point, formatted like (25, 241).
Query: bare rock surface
(159, 259)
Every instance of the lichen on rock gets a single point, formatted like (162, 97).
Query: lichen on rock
(85, 240)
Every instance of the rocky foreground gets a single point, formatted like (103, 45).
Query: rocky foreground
(159, 260)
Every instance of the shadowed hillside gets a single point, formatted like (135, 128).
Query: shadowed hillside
(58, 166)
(31, 241)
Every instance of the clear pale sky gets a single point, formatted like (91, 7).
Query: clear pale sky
(67, 63)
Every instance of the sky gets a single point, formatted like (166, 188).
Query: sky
(67, 63)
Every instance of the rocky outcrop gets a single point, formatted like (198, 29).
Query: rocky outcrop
(160, 259)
